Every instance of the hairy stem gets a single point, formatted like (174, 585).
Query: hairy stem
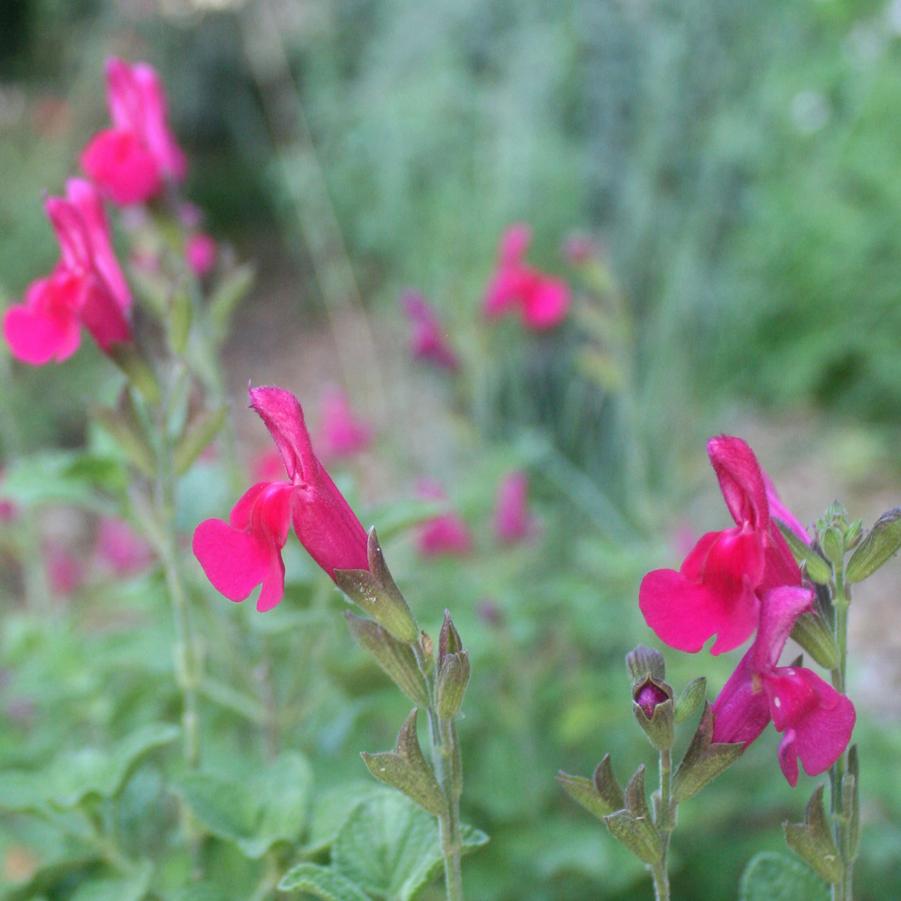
(841, 818)
(449, 773)
(185, 651)
(666, 821)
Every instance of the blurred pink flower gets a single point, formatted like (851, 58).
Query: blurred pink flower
(130, 161)
(200, 253)
(443, 535)
(779, 511)
(267, 466)
(8, 510)
(342, 434)
(815, 720)
(428, 340)
(65, 571)
(543, 301)
(244, 552)
(579, 249)
(718, 587)
(86, 288)
(512, 520)
(120, 550)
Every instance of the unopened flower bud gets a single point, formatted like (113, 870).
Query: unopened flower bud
(653, 709)
(648, 697)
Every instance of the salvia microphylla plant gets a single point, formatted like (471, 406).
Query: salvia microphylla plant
(137, 161)
(245, 552)
(766, 577)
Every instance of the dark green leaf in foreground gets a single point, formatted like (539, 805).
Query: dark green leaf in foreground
(254, 814)
(389, 847)
(321, 882)
(777, 877)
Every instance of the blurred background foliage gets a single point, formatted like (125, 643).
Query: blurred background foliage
(737, 163)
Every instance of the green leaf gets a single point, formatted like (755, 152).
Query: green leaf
(74, 775)
(321, 882)
(257, 814)
(776, 877)
(390, 848)
(60, 477)
(77, 774)
(131, 888)
(331, 810)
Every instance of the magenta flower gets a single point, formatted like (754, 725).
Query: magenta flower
(342, 434)
(815, 720)
(87, 287)
(120, 550)
(8, 509)
(200, 254)
(429, 341)
(443, 535)
(245, 552)
(512, 521)
(717, 589)
(65, 571)
(542, 300)
(131, 160)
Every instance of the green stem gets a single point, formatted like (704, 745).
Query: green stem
(449, 773)
(841, 818)
(665, 824)
(187, 670)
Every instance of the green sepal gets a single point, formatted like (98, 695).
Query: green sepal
(690, 699)
(632, 826)
(812, 840)
(818, 570)
(453, 677)
(812, 633)
(138, 371)
(407, 770)
(704, 760)
(181, 314)
(659, 727)
(376, 593)
(645, 663)
(395, 658)
(228, 293)
(600, 795)
(124, 425)
(877, 548)
(199, 435)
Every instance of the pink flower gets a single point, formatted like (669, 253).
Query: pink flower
(267, 466)
(200, 254)
(815, 720)
(8, 510)
(717, 589)
(86, 288)
(512, 521)
(245, 552)
(343, 435)
(579, 249)
(443, 535)
(131, 160)
(542, 300)
(65, 571)
(122, 551)
(429, 341)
